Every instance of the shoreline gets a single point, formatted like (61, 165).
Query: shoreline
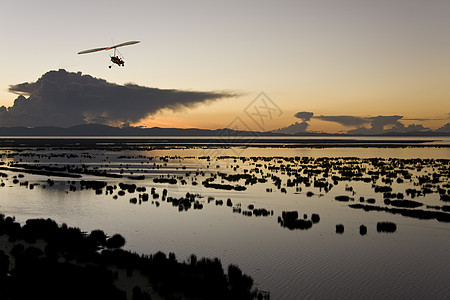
(40, 253)
(212, 142)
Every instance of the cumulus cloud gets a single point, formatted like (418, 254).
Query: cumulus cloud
(297, 127)
(364, 125)
(293, 128)
(60, 98)
(304, 115)
(378, 123)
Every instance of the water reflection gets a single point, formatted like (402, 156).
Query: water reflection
(249, 209)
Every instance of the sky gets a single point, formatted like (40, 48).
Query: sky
(380, 62)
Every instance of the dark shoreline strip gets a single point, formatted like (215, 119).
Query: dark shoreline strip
(40, 172)
(412, 213)
(132, 142)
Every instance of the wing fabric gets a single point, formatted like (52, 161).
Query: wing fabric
(92, 50)
(109, 48)
(124, 44)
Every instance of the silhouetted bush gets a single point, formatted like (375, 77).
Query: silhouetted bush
(342, 198)
(405, 203)
(315, 218)
(4, 265)
(93, 184)
(362, 230)
(413, 213)
(138, 294)
(239, 284)
(17, 249)
(386, 227)
(98, 237)
(42, 275)
(116, 241)
(289, 219)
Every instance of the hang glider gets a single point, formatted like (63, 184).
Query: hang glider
(115, 58)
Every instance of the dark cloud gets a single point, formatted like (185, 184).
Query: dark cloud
(378, 123)
(414, 128)
(364, 125)
(378, 126)
(344, 120)
(61, 98)
(23, 88)
(293, 128)
(297, 127)
(304, 115)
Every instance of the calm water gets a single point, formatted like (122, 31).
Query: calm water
(412, 262)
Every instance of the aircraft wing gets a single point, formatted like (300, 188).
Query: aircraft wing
(93, 50)
(124, 44)
(109, 48)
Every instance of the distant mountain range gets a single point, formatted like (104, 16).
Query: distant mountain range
(104, 130)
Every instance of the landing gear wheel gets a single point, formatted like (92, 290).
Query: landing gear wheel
(109, 67)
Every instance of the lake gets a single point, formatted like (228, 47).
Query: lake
(269, 226)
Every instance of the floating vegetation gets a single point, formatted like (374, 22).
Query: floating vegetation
(387, 227)
(290, 220)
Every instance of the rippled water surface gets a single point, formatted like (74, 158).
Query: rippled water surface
(288, 260)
